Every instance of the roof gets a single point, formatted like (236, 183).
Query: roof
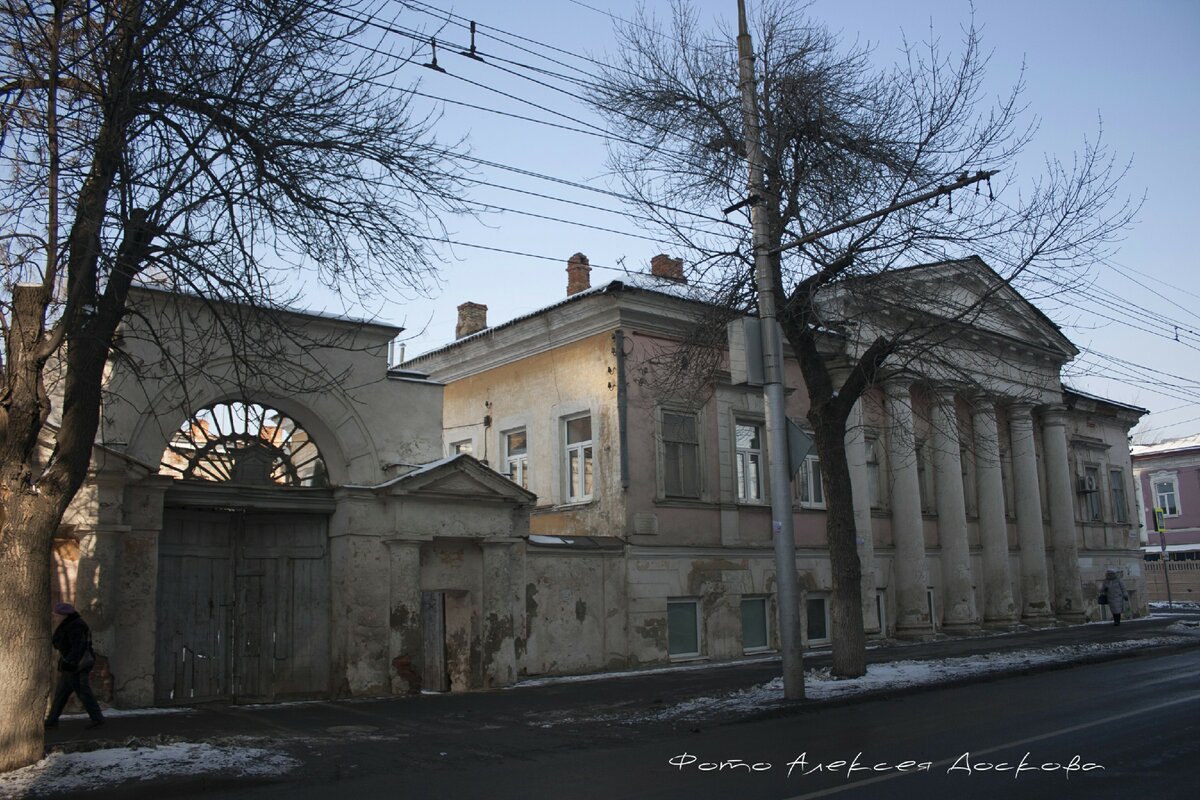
(611, 287)
(393, 330)
(1099, 399)
(1168, 446)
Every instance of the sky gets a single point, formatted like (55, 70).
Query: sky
(1130, 68)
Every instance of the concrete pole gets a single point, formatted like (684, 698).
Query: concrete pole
(777, 441)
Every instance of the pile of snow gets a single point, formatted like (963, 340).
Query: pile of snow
(820, 685)
(80, 772)
(891, 675)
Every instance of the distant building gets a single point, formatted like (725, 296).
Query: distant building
(1168, 476)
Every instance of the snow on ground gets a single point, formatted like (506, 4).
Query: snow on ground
(131, 712)
(80, 772)
(820, 685)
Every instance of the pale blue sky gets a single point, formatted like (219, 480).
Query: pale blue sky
(1133, 64)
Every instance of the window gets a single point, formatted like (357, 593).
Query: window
(923, 480)
(683, 628)
(1091, 497)
(681, 455)
(465, 446)
(577, 459)
(812, 491)
(754, 624)
(1006, 482)
(1166, 494)
(1116, 489)
(817, 609)
(873, 483)
(968, 480)
(932, 601)
(749, 461)
(516, 457)
(881, 612)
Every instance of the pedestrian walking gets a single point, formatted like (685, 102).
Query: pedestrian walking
(73, 641)
(1113, 594)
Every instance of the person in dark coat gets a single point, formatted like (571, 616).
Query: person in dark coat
(1114, 590)
(73, 641)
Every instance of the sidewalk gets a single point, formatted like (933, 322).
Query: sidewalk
(309, 740)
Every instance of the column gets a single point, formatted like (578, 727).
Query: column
(958, 589)
(405, 638)
(998, 606)
(498, 626)
(1068, 595)
(856, 455)
(1035, 602)
(908, 527)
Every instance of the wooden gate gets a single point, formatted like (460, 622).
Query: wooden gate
(243, 606)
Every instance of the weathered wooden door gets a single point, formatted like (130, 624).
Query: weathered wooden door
(243, 608)
(436, 676)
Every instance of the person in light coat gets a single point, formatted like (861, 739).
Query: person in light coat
(1114, 590)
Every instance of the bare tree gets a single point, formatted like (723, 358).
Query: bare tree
(220, 147)
(840, 140)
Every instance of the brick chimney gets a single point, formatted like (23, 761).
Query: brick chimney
(472, 318)
(578, 277)
(663, 266)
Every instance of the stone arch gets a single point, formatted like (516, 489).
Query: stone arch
(320, 415)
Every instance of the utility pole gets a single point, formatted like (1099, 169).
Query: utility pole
(782, 533)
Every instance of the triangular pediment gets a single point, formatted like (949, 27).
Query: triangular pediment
(458, 477)
(966, 294)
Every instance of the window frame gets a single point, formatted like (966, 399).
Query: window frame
(460, 447)
(521, 460)
(694, 602)
(876, 484)
(1093, 505)
(807, 487)
(665, 449)
(586, 449)
(1166, 478)
(766, 624)
(743, 457)
(822, 598)
(1117, 496)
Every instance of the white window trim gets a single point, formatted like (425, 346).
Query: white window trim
(1173, 479)
(661, 454)
(764, 497)
(806, 485)
(506, 458)
(695, 603)
(565, 459)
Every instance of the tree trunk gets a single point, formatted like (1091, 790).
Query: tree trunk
(29, 524)
(849, 638)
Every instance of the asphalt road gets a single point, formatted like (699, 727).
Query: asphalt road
(1121, 729)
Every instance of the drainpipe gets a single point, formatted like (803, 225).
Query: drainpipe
(622, 407)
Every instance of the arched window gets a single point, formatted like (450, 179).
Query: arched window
(246, 443)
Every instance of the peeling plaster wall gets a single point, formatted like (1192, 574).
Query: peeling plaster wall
(575, 611)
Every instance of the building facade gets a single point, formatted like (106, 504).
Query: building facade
(986, 492)
(260, 530)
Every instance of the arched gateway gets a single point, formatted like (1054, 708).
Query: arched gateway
(243, 590)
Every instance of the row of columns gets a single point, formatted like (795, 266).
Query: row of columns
(911, 572)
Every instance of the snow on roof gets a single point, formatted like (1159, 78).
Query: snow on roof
(1169, 445)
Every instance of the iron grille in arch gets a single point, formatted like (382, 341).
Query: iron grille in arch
(244, 443)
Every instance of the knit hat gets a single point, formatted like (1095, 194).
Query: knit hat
(64, 609)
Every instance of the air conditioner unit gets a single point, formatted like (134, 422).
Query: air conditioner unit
(1087, 483)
